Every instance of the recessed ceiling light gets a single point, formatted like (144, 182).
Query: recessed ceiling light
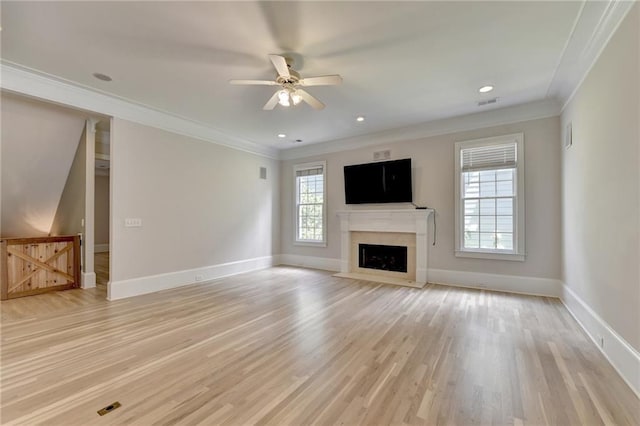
(485, 89)
(102, 77)
(360, 118)
(282, 135)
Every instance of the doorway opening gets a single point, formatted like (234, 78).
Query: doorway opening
(101, 204)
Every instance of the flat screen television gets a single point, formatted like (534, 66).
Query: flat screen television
(383, 182)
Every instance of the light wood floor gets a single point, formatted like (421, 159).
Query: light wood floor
(295, 346)
(101, 266)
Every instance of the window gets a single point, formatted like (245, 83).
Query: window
(490, 198)
(310, 204)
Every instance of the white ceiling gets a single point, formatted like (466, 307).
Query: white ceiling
(403, 63)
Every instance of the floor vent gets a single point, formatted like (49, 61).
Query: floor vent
(109, 408)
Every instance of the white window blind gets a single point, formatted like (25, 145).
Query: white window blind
(309, 172)
(488, 157)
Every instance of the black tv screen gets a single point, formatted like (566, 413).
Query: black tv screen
(384, 182)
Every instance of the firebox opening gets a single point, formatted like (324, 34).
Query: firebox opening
(387, 258)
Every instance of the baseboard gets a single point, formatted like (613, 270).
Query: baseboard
(509, 283)
(620, 354)
(101, 248)
(152, 283)
(88, 280)
(312, 262)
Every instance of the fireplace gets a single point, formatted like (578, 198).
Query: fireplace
(382, 257)
(401, 234)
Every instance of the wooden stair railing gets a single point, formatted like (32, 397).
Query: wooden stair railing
(37, 265)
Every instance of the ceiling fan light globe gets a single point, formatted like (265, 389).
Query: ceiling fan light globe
(296, 98)
(283, 98)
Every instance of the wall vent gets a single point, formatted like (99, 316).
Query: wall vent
(487, 102)
(263, 173)
(568, 136)
(382, 155)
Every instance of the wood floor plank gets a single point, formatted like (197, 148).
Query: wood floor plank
(296, 346)
(101, 267)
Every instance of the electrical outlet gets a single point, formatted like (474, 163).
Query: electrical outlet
(199, 277)
(133, 222)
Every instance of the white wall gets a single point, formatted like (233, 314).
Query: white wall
(39, 141)
(601, 189)
(433, 173)
(201, 205)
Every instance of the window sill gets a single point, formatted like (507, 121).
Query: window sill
(310, 243)
(494, 256)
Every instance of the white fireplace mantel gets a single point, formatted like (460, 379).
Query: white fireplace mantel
(408, 220)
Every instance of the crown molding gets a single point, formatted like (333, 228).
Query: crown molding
(32, 83)
(596, 23)
(496, 117)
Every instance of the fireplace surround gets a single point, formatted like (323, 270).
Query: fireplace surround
(401, 228)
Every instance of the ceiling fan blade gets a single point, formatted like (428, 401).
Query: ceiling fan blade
(280, 63)
(272, 102)
(316, 104)
(324, 80)
(253, 82)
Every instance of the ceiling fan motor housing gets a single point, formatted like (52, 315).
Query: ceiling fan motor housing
(294, 77)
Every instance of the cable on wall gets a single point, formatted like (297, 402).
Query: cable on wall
(434, 219)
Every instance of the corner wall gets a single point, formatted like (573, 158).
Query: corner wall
(70, 214)
(601, 201)
(205, 212)
(433, 186)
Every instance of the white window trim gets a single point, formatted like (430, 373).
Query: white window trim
(518, 254)
(304, 166)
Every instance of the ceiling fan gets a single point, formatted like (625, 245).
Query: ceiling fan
(289, 80)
